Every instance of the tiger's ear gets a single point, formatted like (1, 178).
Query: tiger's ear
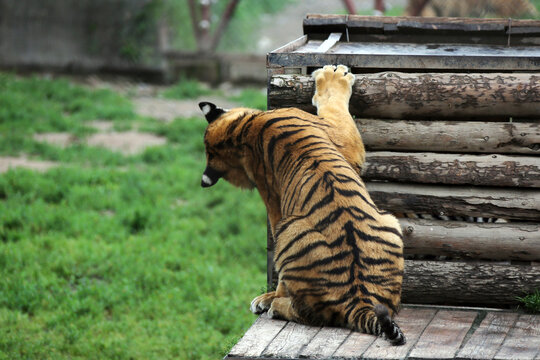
(210, 111)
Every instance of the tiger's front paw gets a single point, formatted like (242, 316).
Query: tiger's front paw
(262, 302)
(332, 83)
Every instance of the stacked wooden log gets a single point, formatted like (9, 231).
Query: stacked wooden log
(452, 129)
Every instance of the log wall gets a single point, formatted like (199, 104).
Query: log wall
(449, 112)
(397, 95)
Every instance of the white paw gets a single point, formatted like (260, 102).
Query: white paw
(257, 306)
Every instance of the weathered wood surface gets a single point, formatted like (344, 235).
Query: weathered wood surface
(412, 322)
(325, 343)
(431, 332)
(523, 340)
(443, 336)
(468, 24)
(395, 95)
(467, 283)
(503, 203)
(489, 336)
(453, 169)
(364, 55)
(290, 341)
(451, 136)
(258, 337)
(460, 239)
(425, 29)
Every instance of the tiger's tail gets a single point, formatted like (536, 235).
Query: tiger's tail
(388, 326)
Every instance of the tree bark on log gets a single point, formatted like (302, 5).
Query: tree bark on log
(467, 283)
(454, 169)
(395, 95)
(521, 204)
(451, 136)
(511, 241)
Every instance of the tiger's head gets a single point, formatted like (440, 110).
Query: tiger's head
(225, 157)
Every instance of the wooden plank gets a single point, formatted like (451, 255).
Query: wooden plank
(398, 95)
(325, 343)
(257, 338)
(467, 283)
(523, 341)
(412, 322)
(361, 55)
(487, 339)
(293, 45)
(333, 38)
(290, 341)
(459, 239)
(354, 346)
(324, 19)
(454, 169)
(443, 336)
(457, 200)
(451, 136)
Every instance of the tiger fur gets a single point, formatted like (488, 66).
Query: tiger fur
(339, 258)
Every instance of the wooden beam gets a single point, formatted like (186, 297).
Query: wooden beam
(455, 136)
(457, 239)
(330, 19)
(396, 95)
(454, 169)
(327, 44)
(467, 283)
(457, 200)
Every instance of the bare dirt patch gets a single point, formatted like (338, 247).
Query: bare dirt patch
(101, 125)
(8, 162)
(167, 110)
(62, 140)
(128, 143)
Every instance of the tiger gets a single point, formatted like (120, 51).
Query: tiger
(339, 258)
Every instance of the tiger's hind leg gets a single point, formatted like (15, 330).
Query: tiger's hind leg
(282, 308)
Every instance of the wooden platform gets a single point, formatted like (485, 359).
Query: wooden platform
(432, 333)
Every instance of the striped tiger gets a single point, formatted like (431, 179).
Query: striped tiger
(338, 257)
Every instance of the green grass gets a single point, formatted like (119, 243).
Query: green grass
(186, 89)
(254, 98)
(117, 257)
(531, 302)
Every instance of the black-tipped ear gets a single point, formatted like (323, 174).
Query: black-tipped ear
(210, 111)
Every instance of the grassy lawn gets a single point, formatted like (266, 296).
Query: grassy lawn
(118, 257)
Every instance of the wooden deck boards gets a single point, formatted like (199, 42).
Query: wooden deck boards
(432, 333)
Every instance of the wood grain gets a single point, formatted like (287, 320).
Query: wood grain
(257, 338)
(487, 339)
(451, 136)
(354, 346)
(459, 239)
(443, 336)
(290, 341)
(453, 169)
(325, 343)
(523, 341)
(467, 283)
(457, 200)
(398, 95)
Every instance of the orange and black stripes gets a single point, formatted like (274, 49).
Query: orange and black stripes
(338, 257)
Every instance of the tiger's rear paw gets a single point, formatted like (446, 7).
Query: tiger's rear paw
(262, 302)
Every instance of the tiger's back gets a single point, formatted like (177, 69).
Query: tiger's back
(339, 259)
